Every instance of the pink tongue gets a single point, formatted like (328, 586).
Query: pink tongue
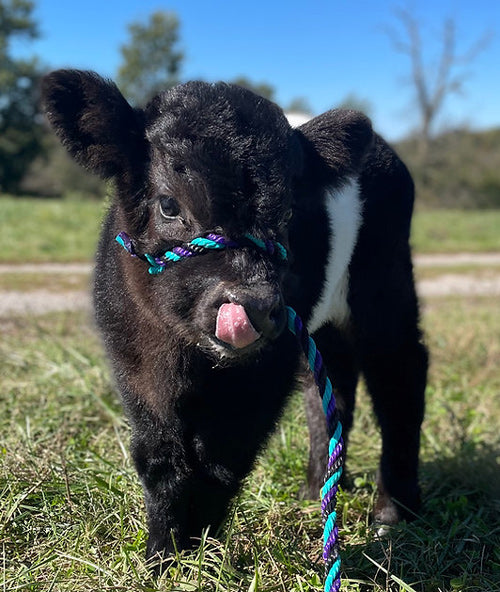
(234, 327)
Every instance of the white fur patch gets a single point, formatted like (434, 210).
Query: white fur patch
(344, 208)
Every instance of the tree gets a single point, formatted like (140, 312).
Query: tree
(151, 60)
(299, 105)
(20, 131)
(259, 88)
(352, 101)
(432, 86)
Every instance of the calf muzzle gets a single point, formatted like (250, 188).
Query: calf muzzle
(244, 320)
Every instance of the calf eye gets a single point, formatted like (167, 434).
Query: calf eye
(169, 208)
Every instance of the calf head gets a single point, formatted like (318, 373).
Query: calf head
(203, 158)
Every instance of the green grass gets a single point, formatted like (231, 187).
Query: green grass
(452, 231)
(479, 272)
(36, 230)
(40, 230)
(71, 510)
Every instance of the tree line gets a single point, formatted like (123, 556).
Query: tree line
(31, 160)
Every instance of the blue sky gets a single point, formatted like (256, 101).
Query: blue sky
(322, 50)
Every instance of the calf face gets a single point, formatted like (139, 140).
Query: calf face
(185, 166)
(199, 351)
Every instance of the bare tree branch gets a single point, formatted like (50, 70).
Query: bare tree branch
(433, 86)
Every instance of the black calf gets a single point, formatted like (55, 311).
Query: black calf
(198, 351)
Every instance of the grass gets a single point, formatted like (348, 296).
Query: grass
(41, 230)
(478, 272)
(452, 231)
(71, 510)
(36, 230)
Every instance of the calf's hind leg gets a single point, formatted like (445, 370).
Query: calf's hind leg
(393, 361)
(396, 381)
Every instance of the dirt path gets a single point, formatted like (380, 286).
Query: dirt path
(454, 284)
(40, 301)
(48, 268)
(455, 259)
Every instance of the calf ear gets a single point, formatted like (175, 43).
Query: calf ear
(93, 120)
(335, 144)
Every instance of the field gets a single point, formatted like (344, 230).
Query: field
(71, 509)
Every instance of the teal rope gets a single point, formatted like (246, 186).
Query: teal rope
(265, 245)
(206, 243)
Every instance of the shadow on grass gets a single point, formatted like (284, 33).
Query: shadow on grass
(455, 543)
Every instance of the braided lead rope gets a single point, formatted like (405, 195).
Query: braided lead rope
(331, 555)
(200, 245)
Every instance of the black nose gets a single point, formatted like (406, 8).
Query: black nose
(267, 314)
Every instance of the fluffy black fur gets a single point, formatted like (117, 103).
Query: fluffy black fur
(201, 411)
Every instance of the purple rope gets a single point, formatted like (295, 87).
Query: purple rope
(182, 252)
